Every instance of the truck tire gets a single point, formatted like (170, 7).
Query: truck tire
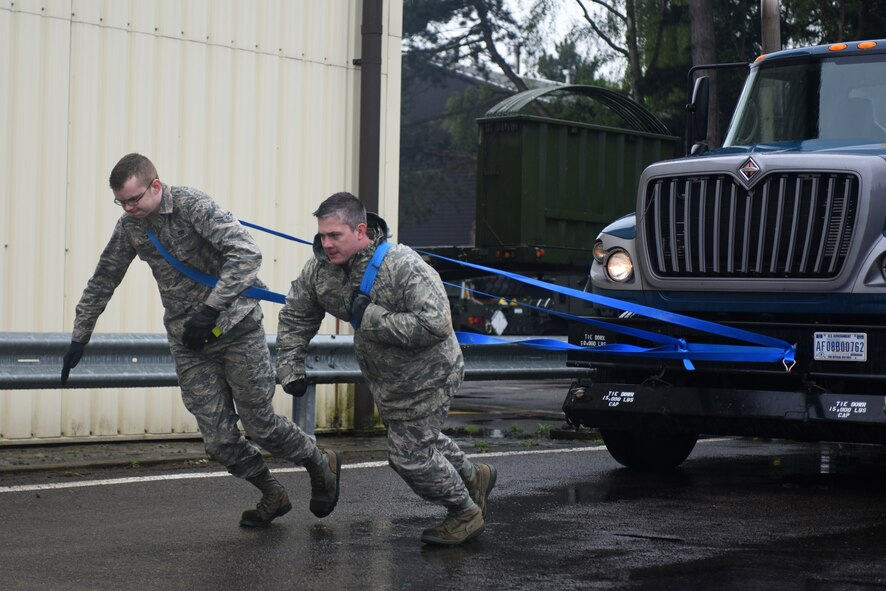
(648, 451)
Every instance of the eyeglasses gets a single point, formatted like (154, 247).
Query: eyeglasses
(134, 200)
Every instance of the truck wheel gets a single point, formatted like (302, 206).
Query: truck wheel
(649, 451)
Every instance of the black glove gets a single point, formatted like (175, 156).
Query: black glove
(198, 328)
(358, 308)
(296, 387)
(71, 359)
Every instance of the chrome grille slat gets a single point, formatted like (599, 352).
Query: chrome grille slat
(687, 226)
(672, 230)
(718, 196)
(656, 200)
(762, 235)
(810, 224)
(795, 221)
(790, 225)
(779, 220)
(733, 204)
(702, 199)
(746, 234)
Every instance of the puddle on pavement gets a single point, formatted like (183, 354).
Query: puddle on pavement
(825, 465)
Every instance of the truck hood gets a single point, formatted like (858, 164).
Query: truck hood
(815, 145)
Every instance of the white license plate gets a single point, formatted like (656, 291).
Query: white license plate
(841, 346)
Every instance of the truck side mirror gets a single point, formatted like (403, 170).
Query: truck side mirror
(698, 114)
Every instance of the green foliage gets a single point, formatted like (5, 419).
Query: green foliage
(543, 431)
(481, 445)
(446, 32)
(462, 111)
(566, 56)
(812, 22)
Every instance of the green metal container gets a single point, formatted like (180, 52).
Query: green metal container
(553, 183)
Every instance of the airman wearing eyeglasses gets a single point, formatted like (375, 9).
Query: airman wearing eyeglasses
(215, 334)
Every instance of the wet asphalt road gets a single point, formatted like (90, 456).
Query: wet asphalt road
(737, 515)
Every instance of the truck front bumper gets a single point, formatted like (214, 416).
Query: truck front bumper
(797, 415)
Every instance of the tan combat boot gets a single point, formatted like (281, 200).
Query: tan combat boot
(481, 485)
(274, 501)
(456, 528)
(325, 477)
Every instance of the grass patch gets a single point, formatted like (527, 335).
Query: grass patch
(481, 445)
(464, 431)
(543, 431)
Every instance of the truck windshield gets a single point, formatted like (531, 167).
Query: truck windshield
(838, 99)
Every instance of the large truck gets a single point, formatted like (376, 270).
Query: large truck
(545, 182)
(780, 232)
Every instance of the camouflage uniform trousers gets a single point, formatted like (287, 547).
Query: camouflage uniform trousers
(234, 375)
(427, 459)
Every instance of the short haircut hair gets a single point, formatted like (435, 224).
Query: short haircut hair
(344, 206)
(132, 165)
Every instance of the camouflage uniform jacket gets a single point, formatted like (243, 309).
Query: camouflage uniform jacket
(199, 233)
(405, 345)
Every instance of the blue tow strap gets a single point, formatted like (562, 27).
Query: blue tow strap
(371, 271)
(763, 349)
(210, 280)
(767, 348)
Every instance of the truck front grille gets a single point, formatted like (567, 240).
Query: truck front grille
(790, 225)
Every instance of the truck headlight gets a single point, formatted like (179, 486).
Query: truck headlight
(599, 252)
(619, 267)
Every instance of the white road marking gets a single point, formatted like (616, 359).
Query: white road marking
(379, 464)
(196, 475)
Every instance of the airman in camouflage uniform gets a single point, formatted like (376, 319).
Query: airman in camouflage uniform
(407, 351)
(215, 334)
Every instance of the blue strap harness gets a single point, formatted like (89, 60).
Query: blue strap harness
(372, 270)
(210, 280)
(763, 348)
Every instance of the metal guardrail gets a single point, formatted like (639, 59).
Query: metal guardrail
(34, 360)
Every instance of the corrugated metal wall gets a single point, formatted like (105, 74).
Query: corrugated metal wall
(256, 103)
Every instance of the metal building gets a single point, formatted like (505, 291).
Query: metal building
(257, 103)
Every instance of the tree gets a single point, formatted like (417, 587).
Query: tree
(618, 28)
(701, 28)
(447, 32)
(821, 21)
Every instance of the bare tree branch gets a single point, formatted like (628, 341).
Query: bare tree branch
(611, 9)
(499, 60)
(486, 29)
(599, 31)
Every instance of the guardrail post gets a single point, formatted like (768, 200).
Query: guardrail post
(364, 408)
(304, 409)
